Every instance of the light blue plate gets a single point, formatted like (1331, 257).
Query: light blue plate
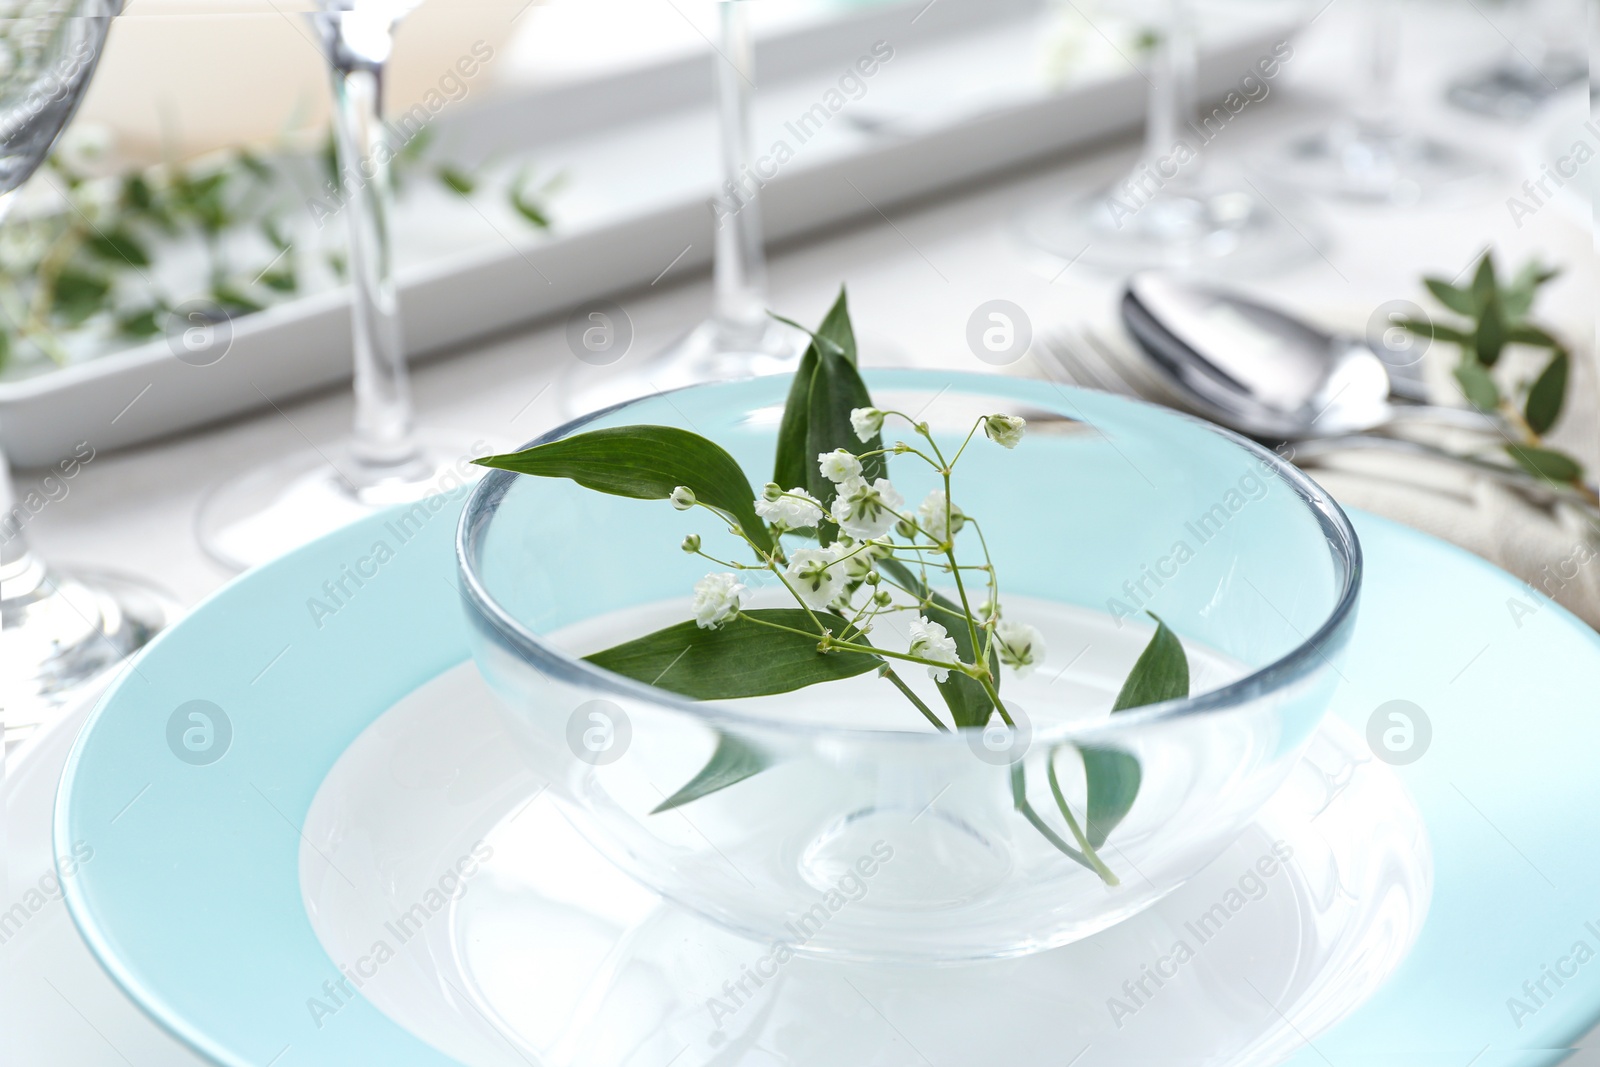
(192, 899)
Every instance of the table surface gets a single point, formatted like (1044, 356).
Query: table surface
(915, 276)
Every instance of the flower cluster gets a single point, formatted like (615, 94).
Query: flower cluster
(853, 531)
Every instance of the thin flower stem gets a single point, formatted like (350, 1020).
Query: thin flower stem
(899, 683)
(870, 650)
(968, 441)
(1072, 824)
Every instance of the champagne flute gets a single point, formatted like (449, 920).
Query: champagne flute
(1169, 211)
(57, 630)
(264, 513)
(739, 339)
(1370, 154)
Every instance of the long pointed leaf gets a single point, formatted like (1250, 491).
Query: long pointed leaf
(645, 463)
(1112, 777)
(1547, 396)
(969, 704)
(732, 762)
(740, 659)
(1160, 673)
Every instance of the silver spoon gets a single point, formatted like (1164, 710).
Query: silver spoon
(1278, 379)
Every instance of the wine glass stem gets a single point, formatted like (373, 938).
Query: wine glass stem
(1376, 111)
(13, 544)
(383, 418)
(740, 268)
(1172, 88)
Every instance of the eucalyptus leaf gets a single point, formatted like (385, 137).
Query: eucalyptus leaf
(1483, 280)
(1490, 338)
(1547, 463)
(740, 659)
(119, 246)
(1526, 334)
(1518, 296)
(1549, 392)
(645, 463)
(836, 389)
(1478, 387)
(731, 763)
(1452, 296)
(1436, 331)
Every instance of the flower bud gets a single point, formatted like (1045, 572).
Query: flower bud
(873, 578)
(772, 491)
(683, 498)
(691, 544)
(882, 598)
(905, 529)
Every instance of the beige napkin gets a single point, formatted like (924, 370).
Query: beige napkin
(1554, 551)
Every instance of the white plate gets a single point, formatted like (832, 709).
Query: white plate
(513, 941)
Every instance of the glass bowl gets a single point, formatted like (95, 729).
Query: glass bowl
(868, 835)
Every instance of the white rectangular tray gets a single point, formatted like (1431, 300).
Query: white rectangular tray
(955, 104)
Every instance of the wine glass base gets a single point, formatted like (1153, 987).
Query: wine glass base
(1514, 89)
(274, 509)
(61, 630)
(1176, 229)
(1397, 168)
(716, 350)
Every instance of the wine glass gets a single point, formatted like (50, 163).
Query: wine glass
(1540, 61)
(1170, 211)
(739, 339)
(1369, 154)
(264, 513)
(57, 629)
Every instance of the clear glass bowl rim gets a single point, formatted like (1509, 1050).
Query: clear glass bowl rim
(1283, 672)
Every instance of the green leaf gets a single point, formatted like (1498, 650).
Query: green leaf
(965, 696)
(731, 763)
(119, 246)
(740, 659)
(456, 179)
(795, 464)
(141, 324)
(1548, 394)
(1519, 295)
(836, 390)
(1547, 463)
(790, 467)
(1527, 334)
(1478, 386)
(1452, 296)
(1113, 780)
(78, 295)
(280, 280)
(1112, 777)
(1160, 673)
(1483, 280)
(1448, 334)
(524, 200)
(1490, 338)
(645, 463)
(235, 299)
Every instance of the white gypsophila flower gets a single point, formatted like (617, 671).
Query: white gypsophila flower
(866, 511)
(1005, 430)
(1021, 646)
(866, 422)
(933, 513)
(795, 510)
(929, 640)
(839, 466)
(814, 578)
(717, 598)
(682, 498)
